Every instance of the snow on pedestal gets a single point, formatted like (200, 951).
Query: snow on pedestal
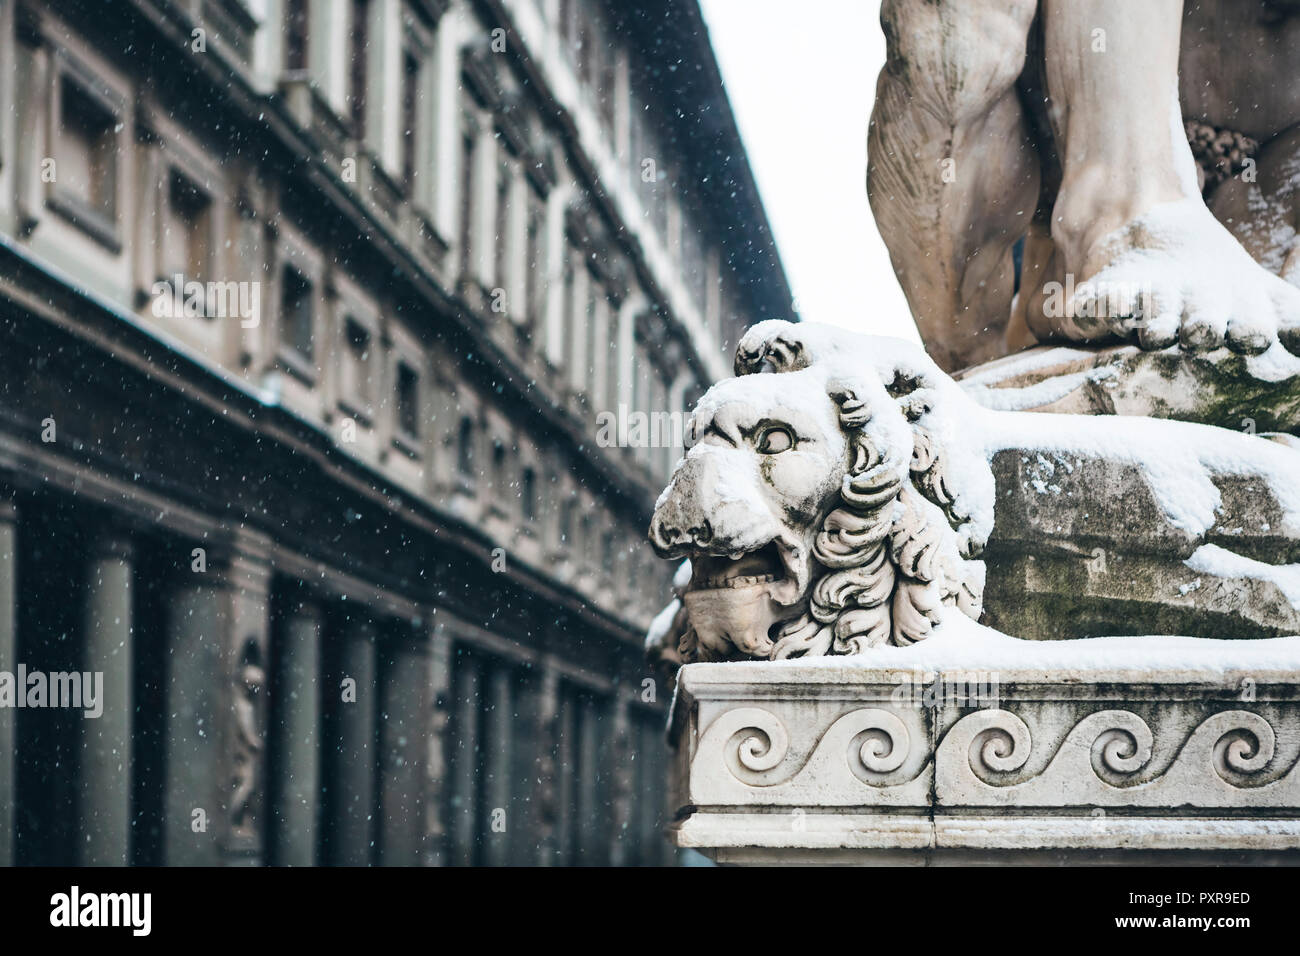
(976, 747)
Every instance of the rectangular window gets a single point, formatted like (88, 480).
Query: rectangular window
(408, 401)
(564, 526)
(359, 65)
(356, 364)
(86, 159)
(499, 468)
(589, 371)
(467, 186)
(296, 313)
(502, 251)
(607, 92)
(410, 117)
(534, 279)
(190, 228)
(465, 450)
(528, 495)
(296, 32)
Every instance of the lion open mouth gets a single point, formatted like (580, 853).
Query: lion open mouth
(774, 569)
(714, 573)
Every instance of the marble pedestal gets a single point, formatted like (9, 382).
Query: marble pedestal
(981, 749)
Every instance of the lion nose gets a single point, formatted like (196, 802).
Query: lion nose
(665, 536)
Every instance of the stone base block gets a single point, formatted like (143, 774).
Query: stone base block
(976, 748)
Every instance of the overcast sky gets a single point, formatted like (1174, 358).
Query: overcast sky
(802, 77)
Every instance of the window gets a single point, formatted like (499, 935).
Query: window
(528, 495)
(86, 159)
(607, 91)
(465, 449)
(499, 468)
(359, 66)
(567, 306)
(607, 551)
(534, 278)
(410, 117)
(296, 33)
(296, 313)
(564, 526)
(585, 540)
(355, 377)
(408, 401)
(595, 296)
(467, 186)
(502, 249)
(190, 227)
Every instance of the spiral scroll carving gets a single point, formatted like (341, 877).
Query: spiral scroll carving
(996, 741)
(1102, 759)
(1248, 753)
(754, 739)
(885, 742)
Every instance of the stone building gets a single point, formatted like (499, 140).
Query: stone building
(309, 312)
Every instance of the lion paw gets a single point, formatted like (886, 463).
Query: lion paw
(1176, 275)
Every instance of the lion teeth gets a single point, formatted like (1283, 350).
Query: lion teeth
(741, 581)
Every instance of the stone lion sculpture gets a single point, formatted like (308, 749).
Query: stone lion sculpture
(842, 492)
(1141, 158)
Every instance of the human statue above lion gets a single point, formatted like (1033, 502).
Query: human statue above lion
(1089, 172)
(1061, 128)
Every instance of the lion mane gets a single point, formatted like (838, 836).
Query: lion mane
(895, 546)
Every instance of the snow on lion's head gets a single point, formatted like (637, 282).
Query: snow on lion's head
(815, 504)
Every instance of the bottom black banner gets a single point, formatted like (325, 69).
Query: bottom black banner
(336, 906)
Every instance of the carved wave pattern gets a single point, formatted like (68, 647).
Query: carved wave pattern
(861, 759)
(1102, 762)
(872, 756)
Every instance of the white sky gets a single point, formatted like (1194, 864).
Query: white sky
(801, 76)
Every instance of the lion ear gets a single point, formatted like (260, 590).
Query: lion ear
(773, 344)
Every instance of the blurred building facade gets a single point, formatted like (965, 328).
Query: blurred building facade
(311, 314)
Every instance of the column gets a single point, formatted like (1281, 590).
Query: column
(105, 770)
(566, 771)
(587, 809)
(8, 662)
(352, 836)
(619, 779)
(295, 739)
(498, 742)
(403, 729)
(548, 797)
(436, 765)
(217, 631)
(463, 814)
(196, 628)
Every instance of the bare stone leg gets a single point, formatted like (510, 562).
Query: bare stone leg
(952, 174)
(1264, 214)
(1148, 258)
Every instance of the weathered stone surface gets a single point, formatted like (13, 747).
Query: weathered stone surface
(1259, 394)
(1107, 750)
(1082, 547)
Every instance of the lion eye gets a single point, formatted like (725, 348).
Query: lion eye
(775, 440)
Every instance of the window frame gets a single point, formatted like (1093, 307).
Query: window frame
(103, 225)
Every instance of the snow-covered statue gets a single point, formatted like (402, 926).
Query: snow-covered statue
(816, 506)
(842, 492)
(1147, 154)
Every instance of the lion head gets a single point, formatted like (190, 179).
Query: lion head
(815, 505)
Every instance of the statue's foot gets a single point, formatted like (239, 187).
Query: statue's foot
(1174, 274)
